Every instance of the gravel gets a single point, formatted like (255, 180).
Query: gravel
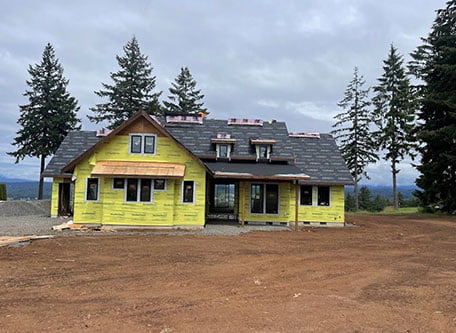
(40, 223)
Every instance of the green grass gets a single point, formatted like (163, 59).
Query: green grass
(414, 211)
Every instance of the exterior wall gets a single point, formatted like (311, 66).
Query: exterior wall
(333, 213)
(55, 196)
(166, 208)
(287, 193)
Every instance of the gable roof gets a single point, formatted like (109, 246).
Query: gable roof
(318, 158)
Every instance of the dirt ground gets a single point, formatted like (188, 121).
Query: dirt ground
(390, 274)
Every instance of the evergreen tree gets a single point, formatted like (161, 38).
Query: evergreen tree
(184, 98)
(49, 115)
(434, 63)
(365, 198)
(131, 91)
(349, 203)
(353, 132)
(378, 204)
(394, 115)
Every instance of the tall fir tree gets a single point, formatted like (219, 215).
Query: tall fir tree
(434, 64)
(49, 115)
(394, 114)
(131, 91)
(353, 130)
(185, 98)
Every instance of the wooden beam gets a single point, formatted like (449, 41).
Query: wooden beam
(297, 207)
(242, 204)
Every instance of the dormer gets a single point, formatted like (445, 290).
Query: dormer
(263, 148)
(223, 146)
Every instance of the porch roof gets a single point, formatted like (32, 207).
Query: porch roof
(256, 171)
(131, 169)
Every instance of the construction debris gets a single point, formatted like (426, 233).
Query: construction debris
(81, 227)
(10, 240)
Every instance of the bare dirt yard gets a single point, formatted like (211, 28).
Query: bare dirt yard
(390, 274)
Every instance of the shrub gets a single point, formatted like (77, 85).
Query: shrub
(3, 194)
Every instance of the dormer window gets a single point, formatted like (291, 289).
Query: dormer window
(143, 144)
(223, 151)
(263, 152)
(263, 148)
(223, 145)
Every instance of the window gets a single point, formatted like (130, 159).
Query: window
(323, 196)
(223, 151)
(118, 183)
(159, 185)
(306, 195)
(188, 191)
(92, 189)
(224, 196)
(138, 190)
(264, 198)
(142, 144)
(149, 144)
(263, 152)
(136, 144)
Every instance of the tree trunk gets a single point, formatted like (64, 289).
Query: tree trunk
(395, 196)
(356, 194)
(40, 186)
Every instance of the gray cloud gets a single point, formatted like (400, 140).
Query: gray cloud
(287, 60)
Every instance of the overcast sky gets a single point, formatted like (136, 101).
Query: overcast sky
(285, 60)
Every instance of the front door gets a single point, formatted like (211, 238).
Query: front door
(223, 198)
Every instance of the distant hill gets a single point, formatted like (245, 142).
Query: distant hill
(387, 191)
(24, 189)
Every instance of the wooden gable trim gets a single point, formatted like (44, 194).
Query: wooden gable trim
(119, 130)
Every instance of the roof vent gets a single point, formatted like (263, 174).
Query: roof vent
(223, 136)
(245, 122)
(183, 119)
(305, 135)
(103, 132)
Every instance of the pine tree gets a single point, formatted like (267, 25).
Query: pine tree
(365, 202)
(49, 115)
(184, 98)
(353, 132)
(434, 64)
(394, 109)
(349, 203)
(131, 91)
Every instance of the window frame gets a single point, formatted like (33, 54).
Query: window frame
(311, 196)
(182, 192)
(228, 150)
(258, 151)
(329, 196)
(86, 188)
(143, 143)
(264, 199)
(117, 188)
(160, 190)
(138, 192)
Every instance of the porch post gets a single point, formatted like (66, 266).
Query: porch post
(242, 203)
(297, 206)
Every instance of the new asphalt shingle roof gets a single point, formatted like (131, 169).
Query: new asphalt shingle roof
(318, 158)
(74, 144)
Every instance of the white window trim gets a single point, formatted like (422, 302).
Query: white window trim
(313, 196)
(268, 151)
(330, 196)
(164, 190)
(194, 193)
(98, 189)
(228, 150)
(138, 193)
(117, 189)
(264, 199)
(142, 135)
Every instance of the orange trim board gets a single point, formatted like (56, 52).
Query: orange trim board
(138, 169)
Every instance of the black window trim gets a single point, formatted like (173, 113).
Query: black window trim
(87, 187)
(264, 199)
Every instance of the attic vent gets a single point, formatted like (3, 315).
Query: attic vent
(223, 136)
(305, 135)
(245, 122)
(103, 132)
(184, 119)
